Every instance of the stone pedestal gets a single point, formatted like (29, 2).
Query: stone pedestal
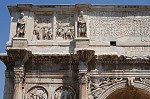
(81, 44)
(19, 43)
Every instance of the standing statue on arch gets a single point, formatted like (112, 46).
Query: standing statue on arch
(82, 25)
(20, 32)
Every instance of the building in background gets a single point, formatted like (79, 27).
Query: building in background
(80, 51)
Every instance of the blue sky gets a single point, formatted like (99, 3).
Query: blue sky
(5, 20)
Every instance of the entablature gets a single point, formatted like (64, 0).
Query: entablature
(84, 58)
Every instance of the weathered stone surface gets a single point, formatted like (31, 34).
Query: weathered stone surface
(77, 51)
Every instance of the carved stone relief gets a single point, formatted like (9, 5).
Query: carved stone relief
(20, 32)
(83, 78)
(18, 76)
(37, 93)
(119, 24)
(65, 26)
(64, 93)
(145, 80)
(97, 86)
(43, 27)
(81, 25)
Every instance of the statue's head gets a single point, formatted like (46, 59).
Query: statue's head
(81, 13)
(21, 14)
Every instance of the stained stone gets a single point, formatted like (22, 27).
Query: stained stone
(79, 51)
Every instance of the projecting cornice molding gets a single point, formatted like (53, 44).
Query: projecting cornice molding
(34, 8)
(88, 56)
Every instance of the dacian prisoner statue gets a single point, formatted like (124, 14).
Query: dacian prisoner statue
(81, 25)
(20, 32)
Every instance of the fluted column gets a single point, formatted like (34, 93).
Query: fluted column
(18, 82)
(83, 81)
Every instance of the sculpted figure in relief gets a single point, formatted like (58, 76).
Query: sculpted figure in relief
(42, 28)
(20, 32)
(36, 31)
(46, 33)
(65, 27)
(37, 93)
(81, 25)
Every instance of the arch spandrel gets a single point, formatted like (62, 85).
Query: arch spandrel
(112, 88)
(130, 92)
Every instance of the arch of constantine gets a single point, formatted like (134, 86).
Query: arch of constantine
(79, 51)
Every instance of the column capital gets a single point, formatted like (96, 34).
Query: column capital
(19, 74)
(83, 79)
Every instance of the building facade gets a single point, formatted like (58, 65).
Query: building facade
(80, 51)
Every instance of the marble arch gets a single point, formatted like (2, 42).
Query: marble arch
(50, 46)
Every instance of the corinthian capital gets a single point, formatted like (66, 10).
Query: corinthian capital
(19, 75)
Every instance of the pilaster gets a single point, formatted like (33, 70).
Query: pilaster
(85, 56)
(8, 89)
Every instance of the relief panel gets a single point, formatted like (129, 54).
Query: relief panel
(37, 93)
(43, 27)
(65, 26)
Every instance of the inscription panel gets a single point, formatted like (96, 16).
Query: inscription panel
(116, 25)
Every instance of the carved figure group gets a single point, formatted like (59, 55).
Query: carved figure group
(81, 25)
(42, 32)
(37, 93)
(20, 31)
(66, 32)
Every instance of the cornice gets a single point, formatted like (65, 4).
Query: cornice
(115, 59)
(54, 7)
(87, 56)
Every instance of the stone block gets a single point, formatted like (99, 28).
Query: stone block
(19, 43)
(82, 42)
